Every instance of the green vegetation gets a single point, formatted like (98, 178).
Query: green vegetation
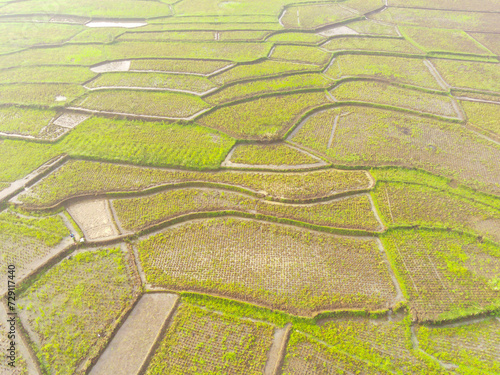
(264, 69)
(20, 366)
(273, 154)
(139, 213)
(263, 119)
(370, 27)
(488, 40)
(243, 35)
(98, 35)
(311, 271)
(201, 341)
(483, 117)
(164, 36)
(179, 66)
(43, 94)
(445, 275)
(254, 88)
(400, 69)
(312, 16)
(46, 74)
(79, 177)
(400, 46)
(471, 75)
(301, 54)
(174, 82)
(75, 306)
(24, 121)
(483, 6)
(296, 37)
(411, 204)
(473, 347)
(395, 96)
(374, 137)
(148, 103)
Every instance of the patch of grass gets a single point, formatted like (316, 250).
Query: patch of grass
(371, 44)
(265, 118)
(46, 74)
(312, 271)
(382, 93)
(446, 275)
(153, 80)
(79, 177)
(201, 341)
(483, 117)
(167, 104)
(42, 94)
(254, 88)
(296, 37)
(472, 75)
(400, 69)
(312, 16)
(24, 121)
(75, 306)
(139, 213)
(274, 154)
(179, 66)
(301, 54)
(262, 69)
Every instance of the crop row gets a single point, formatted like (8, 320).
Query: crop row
(399, 46)
(312, 16)
(301, 54)
(78, 177)
(273, 154)
(483, 117)
(43, 94)
(178, 65)
(24, 121)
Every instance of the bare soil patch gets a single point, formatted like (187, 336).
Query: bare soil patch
(94, 218)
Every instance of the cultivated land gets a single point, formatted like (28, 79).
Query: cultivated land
(250, 187)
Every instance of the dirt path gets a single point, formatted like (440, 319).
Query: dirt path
(132, 345)
(277, 351)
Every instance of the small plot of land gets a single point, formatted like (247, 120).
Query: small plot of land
(139, 213)
(372, 44)
(268, 68)
(74, 307)
(201, 341)
(130, 346)
(94, 218)
(279, 154)
(370, 27)
(255, 88)
(470, 75)
(300, 54)
(163, 104)
(394, 96)
(445, 275)
(296, 38)
(471, 347)
(373, 137)
(26, 240)
(179, 66)
(411, 204)
(43, 94)
(235, 258)
(483, 6)
(79, 177)
(24, 121)
(483, 117)
(263, 119)
(164, 36)
(46, 74)
(444, 41)
(489, 40)
(100, 35)
(174, 82)
(399, 69)
(314, 16)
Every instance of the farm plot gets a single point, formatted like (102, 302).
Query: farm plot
(20, 367)
(443, 41)
(273, 154)
(46, 74)
(79, 177)
(411, 204)
(300, 54)
(139, 213)
(255, 88)
(370, 27)
(472, 347)
(268, 68)
(393, 45)
(24, 121)
(312, 271)
(488, 40)
(296, 38)
(445, 275)
(94, 218)
(98, 35)
(265, 118)
(167, 36)
(43, 94)
(395, 96)
(179, 66)
(313, 16)
(470, 75)
(147, 143)
(475, 21)
(483, 6)
(162, 104)
(23, 240)
(73, 308)
(174, 82)
(400, 69)
(202, 341)
(483, 117)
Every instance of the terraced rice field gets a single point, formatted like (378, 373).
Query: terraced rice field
(250, 187)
